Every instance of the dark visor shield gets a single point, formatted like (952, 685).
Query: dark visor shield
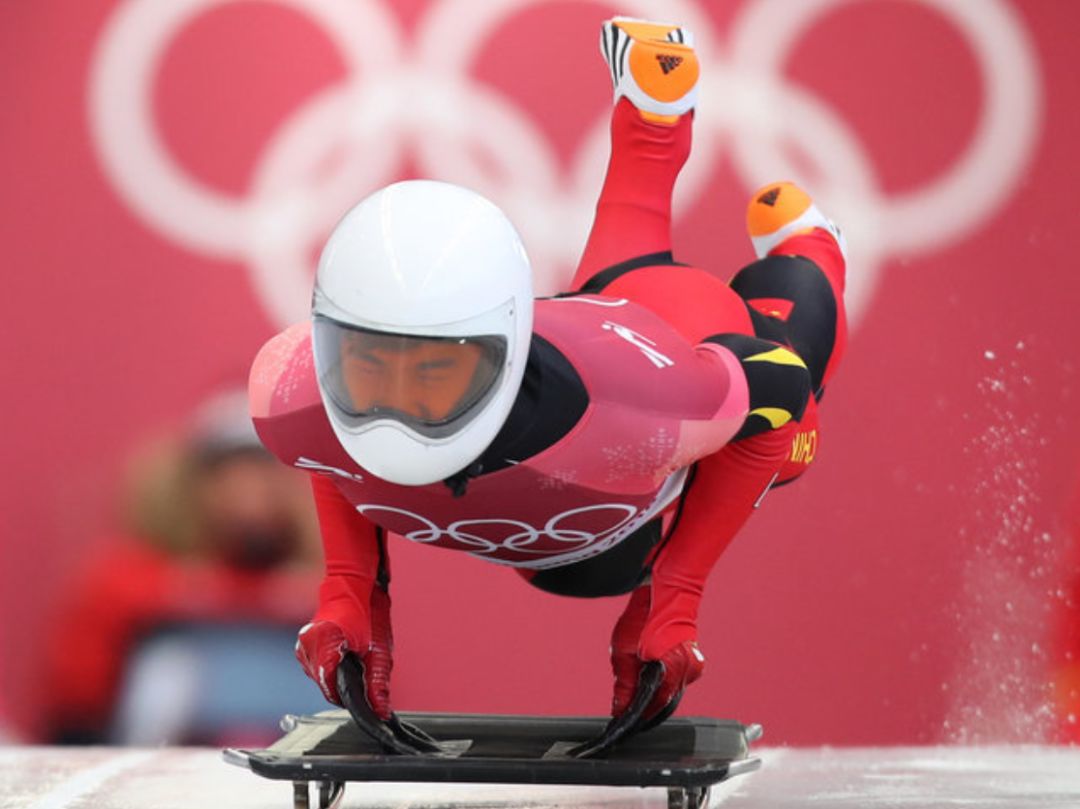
(434, 385)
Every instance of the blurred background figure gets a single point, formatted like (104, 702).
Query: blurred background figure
(161, 638)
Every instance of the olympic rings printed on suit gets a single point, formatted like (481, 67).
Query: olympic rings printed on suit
(489, 536)
(416, 92)
(475, 535)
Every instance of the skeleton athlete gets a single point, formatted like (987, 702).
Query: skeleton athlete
(610, 440)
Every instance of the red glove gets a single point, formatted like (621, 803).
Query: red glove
(625, 662)
(379, 660)
(322, 644)
(320, 648)
(683, 663)
(354, 605)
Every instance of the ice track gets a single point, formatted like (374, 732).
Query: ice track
(825, 778)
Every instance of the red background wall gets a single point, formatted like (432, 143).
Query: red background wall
(899, 593)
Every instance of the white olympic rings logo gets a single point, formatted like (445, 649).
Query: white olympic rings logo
(519, 536)
(416, 92)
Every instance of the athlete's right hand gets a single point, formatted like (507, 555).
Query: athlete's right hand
(322, 644)
(320, 648)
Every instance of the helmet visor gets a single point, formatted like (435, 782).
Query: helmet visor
(434, 385)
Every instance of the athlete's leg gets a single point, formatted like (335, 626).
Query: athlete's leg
(795, 295)
(628, 254)
(655, 75)
(795, 290)
(633, 215)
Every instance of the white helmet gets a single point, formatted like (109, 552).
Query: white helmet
(422, 318)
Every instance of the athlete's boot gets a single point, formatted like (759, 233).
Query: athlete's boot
(653, 65)
(778, 211)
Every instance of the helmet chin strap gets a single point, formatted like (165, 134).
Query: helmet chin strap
(458, 482)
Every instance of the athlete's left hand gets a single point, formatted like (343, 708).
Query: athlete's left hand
(682, 665)
(633, 645)
(647, 688)
(658, 625)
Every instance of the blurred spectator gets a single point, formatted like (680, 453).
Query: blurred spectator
(181, 630)
(1067, 644)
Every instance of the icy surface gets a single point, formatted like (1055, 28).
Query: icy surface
(890, 778)
(914, 778)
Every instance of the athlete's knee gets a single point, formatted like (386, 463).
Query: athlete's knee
(791, 300)
(599, 281)
(778, 381)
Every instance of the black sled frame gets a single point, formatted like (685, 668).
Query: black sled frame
(687, 755)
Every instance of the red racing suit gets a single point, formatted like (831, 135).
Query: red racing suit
(648, 375)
